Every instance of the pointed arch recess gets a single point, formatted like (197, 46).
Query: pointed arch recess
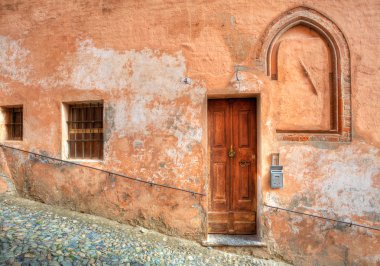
(341, 126)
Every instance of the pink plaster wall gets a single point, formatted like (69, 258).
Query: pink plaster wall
(134, 56)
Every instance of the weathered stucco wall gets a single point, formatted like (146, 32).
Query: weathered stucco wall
(134, 56)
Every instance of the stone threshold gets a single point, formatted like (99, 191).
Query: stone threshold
(218, 240)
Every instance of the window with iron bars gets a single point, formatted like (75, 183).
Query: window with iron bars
(85, 130)
(13, 122)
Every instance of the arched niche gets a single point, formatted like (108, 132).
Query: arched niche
(308, 55)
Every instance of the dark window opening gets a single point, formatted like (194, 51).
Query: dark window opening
(85, 131)
(13, 122)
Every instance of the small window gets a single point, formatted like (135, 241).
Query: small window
(13, 122)
(85, 131)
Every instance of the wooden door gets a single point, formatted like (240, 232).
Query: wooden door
(232, 147)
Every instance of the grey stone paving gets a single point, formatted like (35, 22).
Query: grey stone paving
(32, 233)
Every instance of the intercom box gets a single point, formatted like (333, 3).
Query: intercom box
(276, 176)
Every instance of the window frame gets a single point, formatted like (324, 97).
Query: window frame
(10, 123)
(81, 128)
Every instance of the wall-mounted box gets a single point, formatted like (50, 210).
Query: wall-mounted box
(276, 176)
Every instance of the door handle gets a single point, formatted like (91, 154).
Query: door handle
(244, 163)
(231, 152)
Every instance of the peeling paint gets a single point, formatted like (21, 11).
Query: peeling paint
(13, 60)
(344, 179)
(105, 69)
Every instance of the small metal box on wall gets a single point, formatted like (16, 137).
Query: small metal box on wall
(276, 172)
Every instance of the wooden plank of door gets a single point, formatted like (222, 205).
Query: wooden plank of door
(219, 118)
(244, 166)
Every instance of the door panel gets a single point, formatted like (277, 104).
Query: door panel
(243, 114)
(219, 123)
(243, 131)
(218, 120)
(244, 173)
(218, 222)
(220, 193)
(232, 124)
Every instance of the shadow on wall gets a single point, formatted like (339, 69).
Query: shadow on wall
(6, 183)
(91, 191)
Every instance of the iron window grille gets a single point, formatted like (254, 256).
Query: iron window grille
(14, 122)
(85, 131)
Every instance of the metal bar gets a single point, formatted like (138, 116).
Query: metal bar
(13, 119)
(86, 130)
(89, 121)
(68, 135)
(22, 126)
(86, 140)
(323, 218)
(105, 171)
(100, 109)
(91, 128)
(75, 135)
(19, 135)
(20, 129)
(81, 105)
(68, 142)
(82, 126)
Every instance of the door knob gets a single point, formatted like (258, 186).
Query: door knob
(243, 163)
(231, 152)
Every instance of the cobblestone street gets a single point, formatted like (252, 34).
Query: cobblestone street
(37, 234)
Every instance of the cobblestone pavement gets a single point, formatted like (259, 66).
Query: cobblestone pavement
(32, 233)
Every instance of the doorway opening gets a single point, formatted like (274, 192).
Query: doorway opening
(232, 135)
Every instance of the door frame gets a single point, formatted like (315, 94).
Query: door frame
(216, 96)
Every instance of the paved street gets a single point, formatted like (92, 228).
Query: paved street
(32, 233)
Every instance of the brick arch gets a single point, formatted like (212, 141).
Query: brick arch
(338, 45)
